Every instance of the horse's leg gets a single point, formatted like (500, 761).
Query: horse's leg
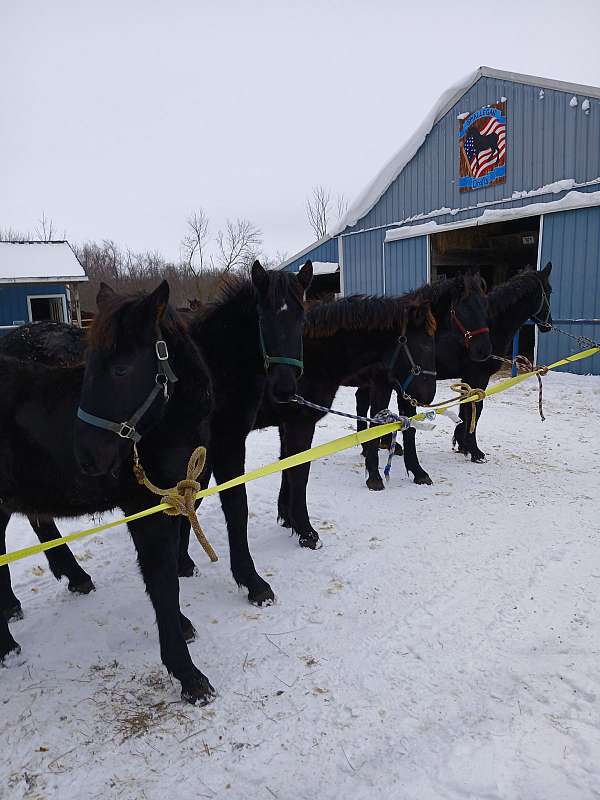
(380, 399)
(411, 460)
(298, 437)
(283, 500)
(363, 402)
(157, 543)
(467, 442)
(10, 607)
(7, 643)
(186, 566)
(61, 560)
(228, 459)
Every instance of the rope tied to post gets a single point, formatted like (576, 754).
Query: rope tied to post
(182, 497)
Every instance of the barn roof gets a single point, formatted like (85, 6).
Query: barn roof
(39, 262)
(376, 188)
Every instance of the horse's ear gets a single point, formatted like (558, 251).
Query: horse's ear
(305, 275)
(159, 299)
(547, 270)
(104, 293)
(260, 277)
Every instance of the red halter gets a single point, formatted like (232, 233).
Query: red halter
(468, 335)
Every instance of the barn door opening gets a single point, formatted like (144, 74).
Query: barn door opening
(498, 250)
(47, 307)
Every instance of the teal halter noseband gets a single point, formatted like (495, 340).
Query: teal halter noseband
(268, 360)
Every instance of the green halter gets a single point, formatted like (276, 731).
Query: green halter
(268, 360)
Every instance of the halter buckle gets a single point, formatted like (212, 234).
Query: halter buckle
(126, 431)
(162, 352)
(402, 339)
(416, 369)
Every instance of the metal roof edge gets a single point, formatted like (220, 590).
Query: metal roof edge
(301, 253)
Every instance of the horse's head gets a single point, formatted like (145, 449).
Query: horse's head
(542, 316)
(411, 367)
(469, 317)
(128, 379)
(280, 307)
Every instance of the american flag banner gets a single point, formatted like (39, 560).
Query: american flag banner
(482, 138)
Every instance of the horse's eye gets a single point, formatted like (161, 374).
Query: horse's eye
(120, 371)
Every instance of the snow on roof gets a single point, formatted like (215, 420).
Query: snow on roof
(39, 262)
(325, 267)
(572, 200)
(372, 193)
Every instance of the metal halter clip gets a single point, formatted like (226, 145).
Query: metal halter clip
(162, 353)
(126, 431)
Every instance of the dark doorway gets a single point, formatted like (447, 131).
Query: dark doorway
(498, 250)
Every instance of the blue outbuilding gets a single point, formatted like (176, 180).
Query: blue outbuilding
(39, 281)
(504, 173)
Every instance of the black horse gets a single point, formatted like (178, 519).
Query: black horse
(39, 473)
(483, 142)
(353, 336)
(124, 354)
(53, 344)
(524, 296)
(460, 309)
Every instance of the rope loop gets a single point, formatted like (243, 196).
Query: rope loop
(181, 499)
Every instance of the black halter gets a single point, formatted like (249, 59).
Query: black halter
(126, 430)
(545, 301)
(415, 369)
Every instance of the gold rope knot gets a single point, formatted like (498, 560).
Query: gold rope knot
(182, 497)
(468, 394)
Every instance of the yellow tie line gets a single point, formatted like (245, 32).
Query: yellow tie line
(314, 453)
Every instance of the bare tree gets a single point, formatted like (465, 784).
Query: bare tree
(12, 235)
(238, 244)
(317, 210)
(193, 244)
(45, 229)
(342, 205)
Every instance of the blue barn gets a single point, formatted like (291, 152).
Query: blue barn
(39, 281)
(503, 173)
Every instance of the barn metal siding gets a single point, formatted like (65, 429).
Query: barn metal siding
(327, 251)
(363, 263)
(405, 265)
(571, 240)
(547, 141)
(13, 299)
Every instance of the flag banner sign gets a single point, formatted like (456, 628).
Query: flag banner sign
(482, 138)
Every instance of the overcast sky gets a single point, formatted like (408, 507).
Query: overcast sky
(120, 117)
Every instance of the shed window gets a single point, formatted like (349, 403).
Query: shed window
(47, 307)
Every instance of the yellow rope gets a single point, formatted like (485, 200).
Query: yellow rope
(335, 446)
(181, 499)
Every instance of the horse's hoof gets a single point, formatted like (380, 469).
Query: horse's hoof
(423, 480)
(11, 648)
(262, 597)
(478, 458)
(85, 587)
(284, 521)
(199, 692)
(13, 613)
(376, 484)
(310, 540)
(187, 569)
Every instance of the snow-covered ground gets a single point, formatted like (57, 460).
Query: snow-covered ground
(444, 643)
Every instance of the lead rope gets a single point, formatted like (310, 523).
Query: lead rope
(523, 364)
(182, 497)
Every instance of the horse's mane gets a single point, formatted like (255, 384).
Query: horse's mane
(501, 297)
(240, 292)
(117, 318)
(368, 313)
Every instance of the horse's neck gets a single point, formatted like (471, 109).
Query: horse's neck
(229, 336)
(346, 352)
(507, 323)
